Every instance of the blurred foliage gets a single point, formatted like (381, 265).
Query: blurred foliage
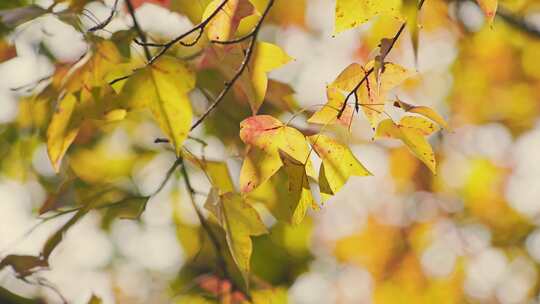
(108, 116)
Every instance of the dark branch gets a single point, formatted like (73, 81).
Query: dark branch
(204, 224)
(105, 22)
(229, 84)
(353, 93)
(138, 29)
(199, 27)
(518, 23)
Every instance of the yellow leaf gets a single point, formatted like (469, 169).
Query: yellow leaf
(424, 111)
(266, 136)
(489, 7)
(191, 9)
(338, 163)
(351, 13)
(269, 296)
(267, 57)
(216, 171)
(239, 221)
(163, 88)
(223, 25)
(336, 92)
(373, 93)
(100, 165)
(412, 131)
(62, 130)
(88, 83)
(275, 195)
(328, 114)
(298, 189)
(253, 82)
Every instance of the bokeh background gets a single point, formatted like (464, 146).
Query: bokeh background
(467, 235)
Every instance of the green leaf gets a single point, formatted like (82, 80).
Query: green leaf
(129, 208)
(270, 296)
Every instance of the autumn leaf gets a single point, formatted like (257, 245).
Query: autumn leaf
(163, 88)
(373, 93)
(62, 130)
(24, 265)
(266, 136)
(95, 300)
(253, 83)
(336, 93)
(412, 130)
(298, 189)
(424, 111)
(338, 164)
(216, 171)
(489, 7)
(351, 13)
(239, 221)
(83, 100)
(223, 26)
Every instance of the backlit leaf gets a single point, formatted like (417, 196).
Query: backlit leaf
(351, 13)
(412, 130)
(163, 88)
(373, 93)
(424, 111)
(489, 7)
(223, 26)
(85, 89)
(253, 82)
(338, 163)
(266, 136)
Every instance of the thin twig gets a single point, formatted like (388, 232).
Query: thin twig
(353, 93)
(138, 29)
(105, 22)
(228, 85)
(518, 23)
(199, 27)
(204, 224)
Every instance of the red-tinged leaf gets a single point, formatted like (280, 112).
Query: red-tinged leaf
(266, 136)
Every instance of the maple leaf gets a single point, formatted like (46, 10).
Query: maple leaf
(412, 131)
(253, 82)
(338, 164)
(266, 136)
(351, 13)
(163, 88)
(240, 221)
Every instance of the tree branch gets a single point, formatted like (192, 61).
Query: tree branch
(228, 85)
(105, 22)
(204, 224)
(199, 27)
(353, 92)
(138, 29)
(518, 23)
